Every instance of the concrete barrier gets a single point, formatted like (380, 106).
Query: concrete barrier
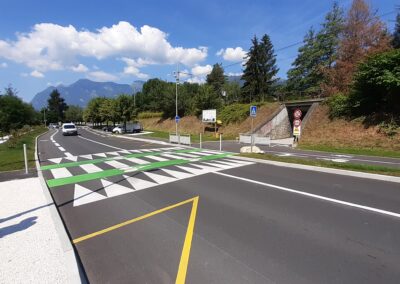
(180, 138)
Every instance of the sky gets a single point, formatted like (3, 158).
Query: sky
(48, 43)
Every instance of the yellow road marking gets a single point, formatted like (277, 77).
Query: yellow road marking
(183, 264)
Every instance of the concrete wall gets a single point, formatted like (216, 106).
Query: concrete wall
(278, 127)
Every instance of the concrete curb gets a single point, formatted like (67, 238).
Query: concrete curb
(323, 170)
(76, 274)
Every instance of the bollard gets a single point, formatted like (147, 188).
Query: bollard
(200, 141)
(220, 142)
(26, 160)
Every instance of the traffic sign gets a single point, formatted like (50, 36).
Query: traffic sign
(253, 111)
(297, 113)
(297, 122)
(177, 118)
(296, 130)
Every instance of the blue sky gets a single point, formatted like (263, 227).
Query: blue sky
(46, 43)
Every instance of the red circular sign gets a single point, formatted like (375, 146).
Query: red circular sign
(297, 113)
(297, 122)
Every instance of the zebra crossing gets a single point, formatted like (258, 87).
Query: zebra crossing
(99, 176)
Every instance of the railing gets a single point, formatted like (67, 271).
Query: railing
(256, 139)
(180, 138)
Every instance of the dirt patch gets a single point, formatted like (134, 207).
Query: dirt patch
(321, 130)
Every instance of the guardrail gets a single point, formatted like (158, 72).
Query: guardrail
(257, 140)
(180, 138)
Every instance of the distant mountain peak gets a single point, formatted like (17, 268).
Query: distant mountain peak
(81, 91)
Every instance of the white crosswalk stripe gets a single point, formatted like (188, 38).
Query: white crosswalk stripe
(114, 189)
(60, 173)
(137, 161)
(160, 179)
(90, 168)
(83, 196)
(157, 158)
(139, 184)
(116, 164)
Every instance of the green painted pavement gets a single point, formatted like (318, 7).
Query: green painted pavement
(113, 172)
(100, 160)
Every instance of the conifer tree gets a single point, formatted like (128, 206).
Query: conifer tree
(396, 34)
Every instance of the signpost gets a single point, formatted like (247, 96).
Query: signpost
(297, 124)
(177, 118)
(210, 116)
(297, 113)
(253, 114)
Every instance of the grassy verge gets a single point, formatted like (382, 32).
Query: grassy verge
(13, 158)
(194, 138)
(327, 164)
(345, 150)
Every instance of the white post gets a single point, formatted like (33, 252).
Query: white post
(220, 142)
(252, 135)
(200, 141)
(26, 160)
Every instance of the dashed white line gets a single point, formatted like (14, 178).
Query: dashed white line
(61, 149)
(100, 143)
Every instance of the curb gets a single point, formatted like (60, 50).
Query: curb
(323, 170)
(75, 271)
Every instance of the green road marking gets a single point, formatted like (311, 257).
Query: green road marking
(114, 172)
(100, 160)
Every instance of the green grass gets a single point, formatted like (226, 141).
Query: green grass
(13, 158)
(345, 150)
(327, 164)
(194, 138)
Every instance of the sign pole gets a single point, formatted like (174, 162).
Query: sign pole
(252, 134)
(26, 160)
(200, 140)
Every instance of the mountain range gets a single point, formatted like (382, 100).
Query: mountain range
(80, 92)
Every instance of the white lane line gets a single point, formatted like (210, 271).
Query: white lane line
(61, 149)
(117, 165)
(90, 168)
(58, 145)
(52, 136)
(60, 173)
(68, 154)
(176, 157)
(372, 209)
(100, 143)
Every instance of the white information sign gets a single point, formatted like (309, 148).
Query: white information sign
(209, 115)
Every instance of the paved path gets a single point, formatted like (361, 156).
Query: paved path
(31, 251)
(147, 213)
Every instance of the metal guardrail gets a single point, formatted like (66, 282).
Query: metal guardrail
(180, 138)
(257, 140)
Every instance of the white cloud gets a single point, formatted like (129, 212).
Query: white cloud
(3, 65)
(80, 68)
(232, 54)
(133, 66)
(201, 70)
(102, 76)
(53, 47)
(37, 74)
(198, 80)
(234, 74)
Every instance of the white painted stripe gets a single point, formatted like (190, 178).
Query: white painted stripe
(114, 189)
(100, 143)
(112, 153)
(135, 151)
(139, 184)
(70, 157)
(100, 155)
(176, 174)
(137, 161)
(147, 150)
(116, 164)
(192, 155)
(159, 178)
(55, 160)
(337, 201)
(60, 173)
(90, 168)
(124, 151)
(83, 195)
(61, 149)
(222, 166)
(58, 145)
(157, 158)
(205, 153)
(89, 157)
(193, 171)
(68, 154)
(175, 157)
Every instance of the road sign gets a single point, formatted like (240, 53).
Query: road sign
(253, 111)
(297, 113)
(177, 118)
(296, 130)
(297, 122)
(209, 115)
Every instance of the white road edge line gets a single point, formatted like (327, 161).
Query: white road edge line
(372, 209)
(101, 143)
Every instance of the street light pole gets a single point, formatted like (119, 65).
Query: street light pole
(44, 116)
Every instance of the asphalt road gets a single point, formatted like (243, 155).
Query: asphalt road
(149, 213)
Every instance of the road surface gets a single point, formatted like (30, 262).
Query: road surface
(150, 213)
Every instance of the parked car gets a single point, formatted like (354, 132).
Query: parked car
(69, 129)
(130, 128)
(108, 128)
(53, 125)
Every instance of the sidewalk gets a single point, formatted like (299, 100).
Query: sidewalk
(33, 247)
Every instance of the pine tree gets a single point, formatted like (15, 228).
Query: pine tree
(396, 34)
(260, 70)
(216, 78)
(56, 106)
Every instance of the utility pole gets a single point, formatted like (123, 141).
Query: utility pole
(44, 116)
(176, 98)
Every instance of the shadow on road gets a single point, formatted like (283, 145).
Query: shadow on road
(23, 225)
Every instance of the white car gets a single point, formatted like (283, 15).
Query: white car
(69, 129)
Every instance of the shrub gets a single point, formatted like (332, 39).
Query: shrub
(338, 106)
(235, 113)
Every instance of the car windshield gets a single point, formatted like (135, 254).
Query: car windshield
(69, 126)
